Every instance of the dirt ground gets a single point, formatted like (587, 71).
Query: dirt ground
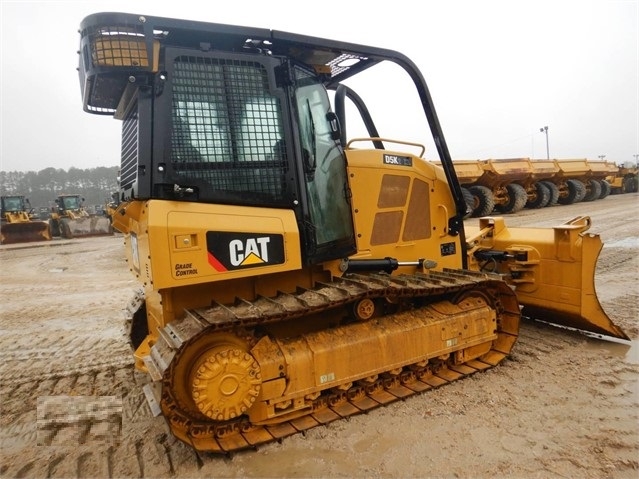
(563, 405)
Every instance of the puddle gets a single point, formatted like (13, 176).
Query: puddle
(628, 350)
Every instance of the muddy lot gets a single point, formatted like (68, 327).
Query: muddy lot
(562, 405)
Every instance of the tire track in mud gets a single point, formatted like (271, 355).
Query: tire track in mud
(145, 452)
(612, 257)
(78, 357)
(605, 372)
(621, 303)
(71, 355)
(97, 445)
(19, 425)
(154, 455)
(104, 440)
(570, 371)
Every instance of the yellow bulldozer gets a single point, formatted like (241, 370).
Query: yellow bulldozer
(19, 223)
(70, 219)
(293, 275)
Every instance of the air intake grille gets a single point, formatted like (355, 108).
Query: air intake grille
(129, 154)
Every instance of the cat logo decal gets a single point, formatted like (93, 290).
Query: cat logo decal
(230, 251)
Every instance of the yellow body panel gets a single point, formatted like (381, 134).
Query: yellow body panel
(401, 212)
(599, 169)
(178, 255)
(175, 267)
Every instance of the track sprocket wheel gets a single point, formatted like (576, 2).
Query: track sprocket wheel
(214, 376)
(226, 384)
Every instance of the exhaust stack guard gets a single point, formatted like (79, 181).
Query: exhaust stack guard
(551, 269)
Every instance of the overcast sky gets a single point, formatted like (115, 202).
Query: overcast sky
(497, 71)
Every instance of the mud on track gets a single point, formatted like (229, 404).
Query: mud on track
(562, 405)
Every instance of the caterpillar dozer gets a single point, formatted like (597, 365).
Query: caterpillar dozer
(291, 275)
(70, 219)
(19, 224)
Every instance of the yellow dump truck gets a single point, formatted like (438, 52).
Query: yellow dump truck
(508, 185)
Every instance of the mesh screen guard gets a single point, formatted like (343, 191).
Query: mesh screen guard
(226, 127)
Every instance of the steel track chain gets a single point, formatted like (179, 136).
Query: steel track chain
(237, 434)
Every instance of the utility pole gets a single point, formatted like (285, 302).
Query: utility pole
(601, 157)
(545, 130)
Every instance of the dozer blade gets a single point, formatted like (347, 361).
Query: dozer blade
(89, 226)
(25, 232)
(552, 270)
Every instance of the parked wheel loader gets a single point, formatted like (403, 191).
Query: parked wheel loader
(623, 178)
(293, 275)
(111, 206)
(19, 222)
(70, 219)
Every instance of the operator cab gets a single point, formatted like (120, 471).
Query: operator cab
(14, 204)
(238, 116)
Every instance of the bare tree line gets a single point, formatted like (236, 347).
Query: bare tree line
(42, 187)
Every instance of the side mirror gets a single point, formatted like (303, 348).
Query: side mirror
(333, 123)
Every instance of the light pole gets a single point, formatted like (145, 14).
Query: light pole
(545, 130)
